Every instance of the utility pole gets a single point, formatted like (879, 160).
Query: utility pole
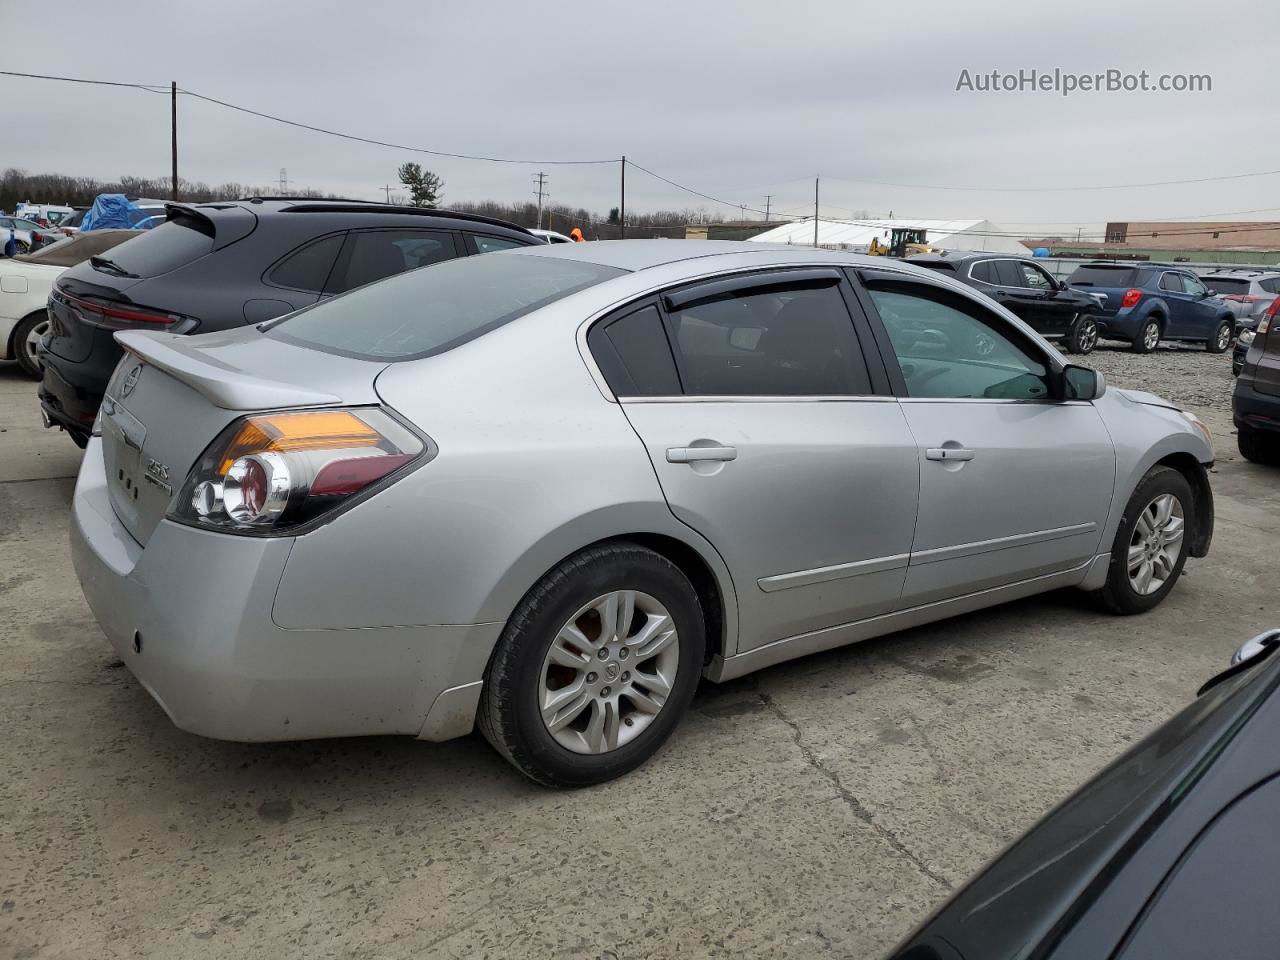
(622, 206)
(541, 178)
(284, 182)
(173, 129)
(387, 188)
(768, 198)
(815, 211)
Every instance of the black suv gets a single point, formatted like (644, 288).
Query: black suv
(1255, 405)
(1026, 289)
(214, 266)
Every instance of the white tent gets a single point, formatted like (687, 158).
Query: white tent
(856, 235)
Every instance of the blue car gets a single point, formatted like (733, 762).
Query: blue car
(1148, 302)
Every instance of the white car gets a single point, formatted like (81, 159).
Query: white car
(21, 229)
(25, 284)
(550, 236)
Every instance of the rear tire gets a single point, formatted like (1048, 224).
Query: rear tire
(1083, 336)
(25, 337)
(1221, 338)
(1134, 546)
(1148, 337)
(515, 715)
(1259, 446)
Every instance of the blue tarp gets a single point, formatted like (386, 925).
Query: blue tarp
(114, 211)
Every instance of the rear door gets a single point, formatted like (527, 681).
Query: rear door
(1013, 485)
(371, 255)
(773, 439)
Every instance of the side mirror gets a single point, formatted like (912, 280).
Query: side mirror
(1081, 383)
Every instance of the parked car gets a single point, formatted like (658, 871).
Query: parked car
(1247, 292)
(1170, 853)
(1255, 404)
(25, 284)
(1053, 310)
(45, 214)
(26, 233)
(552, 488)
(1148, 302)
(551, 236)
(219, 266)
(71, 225)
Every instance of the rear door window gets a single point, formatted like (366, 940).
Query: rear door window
(372, 255)
(480, 243)
(982, 271)
(1171, 282)
(308, 268)
(171, 245)
(1008, 272)
(634, 355)
(776, 342)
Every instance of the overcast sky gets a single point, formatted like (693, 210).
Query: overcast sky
(736, 99)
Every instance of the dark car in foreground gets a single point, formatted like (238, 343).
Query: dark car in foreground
(1021, 285)
(217, 266)
(1255, 404)
(1145, 303)
(1170, 852)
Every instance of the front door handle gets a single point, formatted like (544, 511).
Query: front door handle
(700, 454)
(948, 453)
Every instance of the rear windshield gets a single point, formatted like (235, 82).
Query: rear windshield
(167, 247)
(435, 308)
(77, 249)
(1101, 276)
(1226, 284)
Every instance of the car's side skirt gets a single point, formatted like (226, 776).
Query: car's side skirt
(789, 648)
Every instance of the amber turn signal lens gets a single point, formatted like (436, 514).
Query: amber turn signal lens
(311, 430)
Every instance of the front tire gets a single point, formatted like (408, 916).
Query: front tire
(1259, 446)
(26, 338)
(1150, 547)
(1148, 337)
(1221, 338)
(595, 667)
(1083, 336)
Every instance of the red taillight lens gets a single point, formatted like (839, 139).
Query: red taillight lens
(1268, 315)
(1131, 297)
(118, 318)
(345, 477)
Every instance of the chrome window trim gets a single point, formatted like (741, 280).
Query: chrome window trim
(969, 273)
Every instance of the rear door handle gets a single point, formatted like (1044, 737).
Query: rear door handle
(698, 454)
(948, 453)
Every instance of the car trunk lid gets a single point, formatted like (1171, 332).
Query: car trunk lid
(171, 396)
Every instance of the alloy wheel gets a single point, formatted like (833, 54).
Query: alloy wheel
(1224, 337)
(31, 344)
(1151, 336)
(1156, 544)
(1088, 336)
(608, 672)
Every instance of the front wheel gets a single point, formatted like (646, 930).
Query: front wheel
(1083, 336)
(1150, 547)
(1148, 337)
(26, 342)
(595, 668)
(1221, 338)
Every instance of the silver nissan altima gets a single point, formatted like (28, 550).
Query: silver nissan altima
(545, 491)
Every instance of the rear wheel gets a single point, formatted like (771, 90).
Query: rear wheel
(1221, 338)
(595, 667)
(1083, 336)
(26, 340)
(1148, 337)
(1259, 446)
(1150, 547)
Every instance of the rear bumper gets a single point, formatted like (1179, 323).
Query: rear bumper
(190, 615)
(1122, 325)
(70, 393)
(1249, 408)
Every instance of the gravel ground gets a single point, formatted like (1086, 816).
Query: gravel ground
(1187, 375)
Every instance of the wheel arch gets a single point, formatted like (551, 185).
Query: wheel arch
(1195, 475)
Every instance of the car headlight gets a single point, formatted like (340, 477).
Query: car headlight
(1246, 337)
(1199, 425)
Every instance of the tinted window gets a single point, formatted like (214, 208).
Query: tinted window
(169, 246)
(308, 268)
(1228, 285)
(373, 255)
(1034, 277)
(784, 342)
(948, 347)
(1171, 282)
(430, 311)
(491, 244)
(982, 271)
(1008, 272)
(634, 356)
(1103, 276)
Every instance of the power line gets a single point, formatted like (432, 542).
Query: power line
(149, 87)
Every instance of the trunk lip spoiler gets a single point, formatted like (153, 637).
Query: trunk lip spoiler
(222, 386)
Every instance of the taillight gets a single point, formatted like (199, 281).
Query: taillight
(1131, 297)
(114, 317)
(272, 473)
(1265, 323)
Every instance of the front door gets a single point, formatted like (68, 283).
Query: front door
(1013, 485)
(1038, 301)
(770, 441)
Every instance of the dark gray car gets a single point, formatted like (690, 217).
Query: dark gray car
(217, 266)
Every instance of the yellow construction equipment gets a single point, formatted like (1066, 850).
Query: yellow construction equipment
(903, 242)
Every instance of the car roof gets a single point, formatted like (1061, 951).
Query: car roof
(1241, 273)
(636, 255)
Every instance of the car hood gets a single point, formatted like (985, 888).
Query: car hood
(1147, 399)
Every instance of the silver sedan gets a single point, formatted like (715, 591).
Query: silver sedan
(545, 491)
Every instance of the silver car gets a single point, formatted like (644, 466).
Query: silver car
(545, 491)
